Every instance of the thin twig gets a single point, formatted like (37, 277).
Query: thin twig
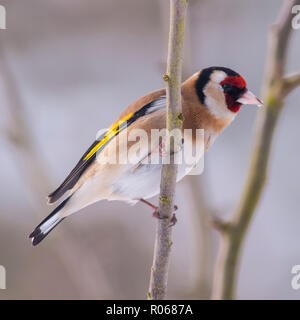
(200, 206)
(291, 82)
(163, 240)
(274, 92)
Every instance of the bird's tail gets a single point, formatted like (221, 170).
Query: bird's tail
(48, 224)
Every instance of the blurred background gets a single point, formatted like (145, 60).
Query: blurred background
(67, 69)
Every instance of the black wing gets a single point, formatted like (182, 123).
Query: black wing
(100, 143)
(74, 175)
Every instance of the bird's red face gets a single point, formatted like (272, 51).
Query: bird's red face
(223, 91)
(234, 87)
(237, 94)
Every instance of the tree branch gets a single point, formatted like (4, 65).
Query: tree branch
(163, 240)
(274, 92)
(290, 83)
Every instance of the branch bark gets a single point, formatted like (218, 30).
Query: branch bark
(199, 200)
(275, 89)
(163, 239)
(291, 82)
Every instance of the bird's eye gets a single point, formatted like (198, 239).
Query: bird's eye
(226, 86)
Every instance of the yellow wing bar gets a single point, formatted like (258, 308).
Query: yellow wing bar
(112, 131)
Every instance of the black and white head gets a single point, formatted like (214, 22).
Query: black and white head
(223, 91)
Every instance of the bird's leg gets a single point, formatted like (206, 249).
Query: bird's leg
(149, 204)
(156, 214)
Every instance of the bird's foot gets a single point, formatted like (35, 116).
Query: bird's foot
(173, 220)
(157, 215)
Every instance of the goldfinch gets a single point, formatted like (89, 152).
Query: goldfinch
(211, 99)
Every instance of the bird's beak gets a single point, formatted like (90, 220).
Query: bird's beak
(249, 98)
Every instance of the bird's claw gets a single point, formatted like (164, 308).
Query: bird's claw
(173, 220)
(156, 214)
